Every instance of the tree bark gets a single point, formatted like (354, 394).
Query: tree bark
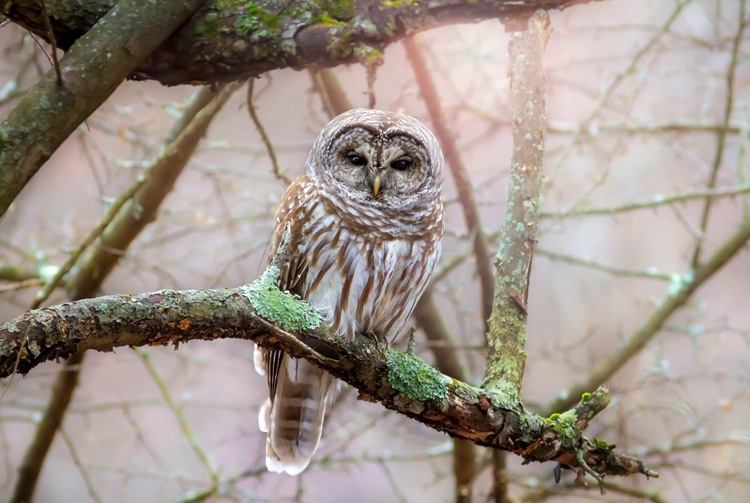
(228, 40)
(399, 381)
(98, 60)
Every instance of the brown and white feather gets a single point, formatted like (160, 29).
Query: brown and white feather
(362, 259)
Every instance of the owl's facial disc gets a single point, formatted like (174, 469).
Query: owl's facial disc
(380, 165)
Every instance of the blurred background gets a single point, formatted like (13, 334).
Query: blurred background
(646, 101)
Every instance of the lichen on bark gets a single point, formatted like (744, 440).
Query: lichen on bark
(283, 309)
(408, 374)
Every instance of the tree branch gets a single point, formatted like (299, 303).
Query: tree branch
(399, 381)
(91, 70)
(506, 337)
(102, 257)
(680, 290)
(232, 40)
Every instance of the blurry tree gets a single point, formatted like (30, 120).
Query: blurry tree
(646, 192)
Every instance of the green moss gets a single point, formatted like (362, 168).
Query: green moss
(255, 18)
(564, 425)
(408, 374)
(283, 309)
(340, 10)
(329, 21)
(586, 397)
(208, 27)
(398, 3)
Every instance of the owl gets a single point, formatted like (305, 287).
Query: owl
(364, 224)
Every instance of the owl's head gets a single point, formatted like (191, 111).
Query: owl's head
(378, 162)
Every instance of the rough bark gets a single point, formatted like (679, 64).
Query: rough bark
(229, 40)
(399, 381)
(96, 63)
(506, 336)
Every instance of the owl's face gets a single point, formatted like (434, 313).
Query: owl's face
(377, 162)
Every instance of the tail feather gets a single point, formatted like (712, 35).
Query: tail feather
(294, 420)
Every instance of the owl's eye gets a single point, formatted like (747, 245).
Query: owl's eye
(401, 164)
(356, 160)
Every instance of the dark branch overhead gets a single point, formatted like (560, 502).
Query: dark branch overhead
(228, 40)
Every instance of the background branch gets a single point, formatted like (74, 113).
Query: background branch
(141, 201)
(91, 70)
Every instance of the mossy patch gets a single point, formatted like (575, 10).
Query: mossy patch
(409, 375)
(283, 309)
(564, 425)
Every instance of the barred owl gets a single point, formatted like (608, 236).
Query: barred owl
(365, 223)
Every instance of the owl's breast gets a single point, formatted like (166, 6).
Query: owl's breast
(362, 284)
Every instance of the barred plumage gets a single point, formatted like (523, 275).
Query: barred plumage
(365, 223)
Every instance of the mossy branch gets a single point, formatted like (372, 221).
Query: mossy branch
(230, 40)
(506, 335)
(398, 381)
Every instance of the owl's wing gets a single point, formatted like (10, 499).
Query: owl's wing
(292, 264)
(293, 415)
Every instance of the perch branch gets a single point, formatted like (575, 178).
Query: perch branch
(399, 381)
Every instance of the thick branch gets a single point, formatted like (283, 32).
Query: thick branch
(400, 381)
(506, 337)
(91, 70)
(231, 40)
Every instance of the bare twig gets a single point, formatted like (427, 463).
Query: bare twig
(680, 290)
(53, 42)
(655, 202)
(721, 135)
(262, 132)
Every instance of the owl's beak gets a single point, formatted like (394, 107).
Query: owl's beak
(376, 186)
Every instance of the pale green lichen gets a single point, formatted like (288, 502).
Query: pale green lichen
(283, 309)
(409, 375)
(565, 426)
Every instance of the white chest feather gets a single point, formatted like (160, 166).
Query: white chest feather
(362, 284)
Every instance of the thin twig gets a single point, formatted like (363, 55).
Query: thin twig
(181, 420)
(721, 135)
(655, 202)
(79, 464)
(263, 135)
(599, 266)
(53, 41)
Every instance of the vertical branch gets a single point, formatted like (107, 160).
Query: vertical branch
(53, 42)
(464, 459)
(334, 97)
(506, 338)
(721, 135)
(427, 316)
(458, 170)
(101, 259)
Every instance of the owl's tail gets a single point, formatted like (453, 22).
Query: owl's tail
(293, 419)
